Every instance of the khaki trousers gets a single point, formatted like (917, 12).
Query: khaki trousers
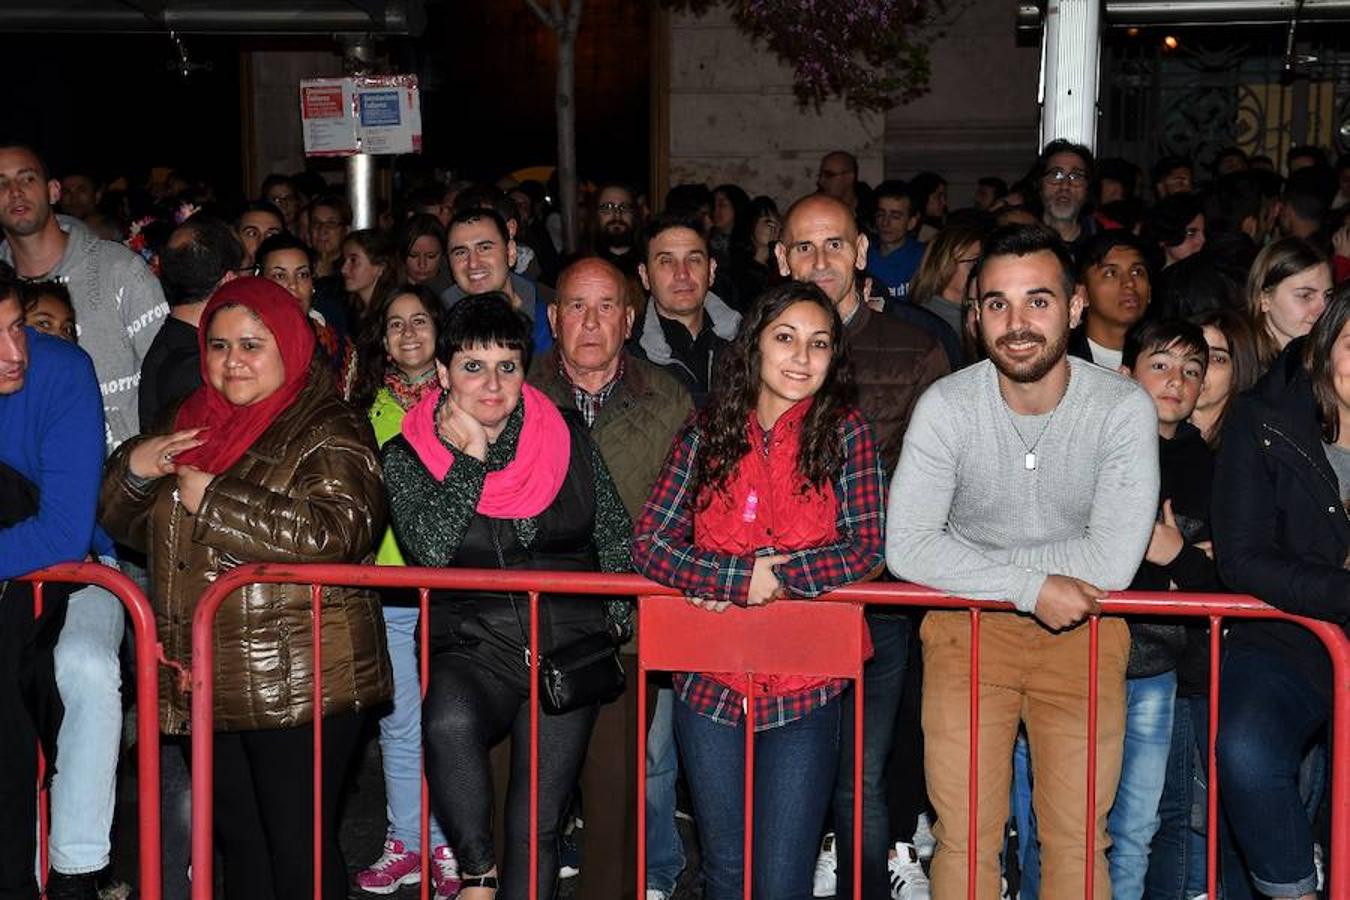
(1027, 674)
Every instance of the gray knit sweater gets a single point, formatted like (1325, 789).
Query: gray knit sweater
(968, 518)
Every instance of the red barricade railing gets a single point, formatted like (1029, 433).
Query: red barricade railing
(711, 653)
(148, 656)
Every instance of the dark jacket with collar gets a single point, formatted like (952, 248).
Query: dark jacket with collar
(635, 427)
(650, 342)
(894, 362)
(1280, 528)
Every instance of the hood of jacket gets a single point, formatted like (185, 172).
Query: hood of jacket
(725, 321)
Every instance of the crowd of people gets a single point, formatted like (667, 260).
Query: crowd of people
(1092, 379)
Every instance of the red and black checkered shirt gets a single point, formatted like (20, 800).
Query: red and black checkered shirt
(664, 551)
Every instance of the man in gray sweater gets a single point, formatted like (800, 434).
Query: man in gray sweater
(1030, 478)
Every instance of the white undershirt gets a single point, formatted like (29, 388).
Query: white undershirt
(1105, 356)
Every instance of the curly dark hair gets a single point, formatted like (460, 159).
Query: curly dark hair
(722, 422)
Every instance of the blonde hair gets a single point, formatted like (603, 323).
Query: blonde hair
(940, 260)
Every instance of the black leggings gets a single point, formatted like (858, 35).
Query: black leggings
(264, 817)
(469, 709)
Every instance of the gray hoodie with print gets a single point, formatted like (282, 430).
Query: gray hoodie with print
(119, 307)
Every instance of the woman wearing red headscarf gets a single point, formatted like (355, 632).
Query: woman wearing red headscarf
(265, 464)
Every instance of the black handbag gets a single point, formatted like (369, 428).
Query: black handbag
(577, 674)
(586, 671)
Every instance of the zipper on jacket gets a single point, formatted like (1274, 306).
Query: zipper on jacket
(1335, 488)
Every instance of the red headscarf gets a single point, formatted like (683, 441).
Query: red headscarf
(230, 429)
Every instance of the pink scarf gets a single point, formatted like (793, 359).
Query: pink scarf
(528, 483)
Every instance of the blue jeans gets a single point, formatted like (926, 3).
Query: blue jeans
(794, 778)
(665, 851)
(1024, 819)
(89, 677)
(883, 683)
(401, 734)
(1134, 815)
(1176, 867)
(1269, 715)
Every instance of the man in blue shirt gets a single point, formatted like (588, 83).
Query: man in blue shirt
(895, 255)
(51, 451)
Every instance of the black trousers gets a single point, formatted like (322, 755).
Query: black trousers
(264, 816)
(472, 704)
(18, 753)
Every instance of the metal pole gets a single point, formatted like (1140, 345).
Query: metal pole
(359, 58)
(1070, 67)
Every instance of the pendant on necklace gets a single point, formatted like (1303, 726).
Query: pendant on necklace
(1030, 462)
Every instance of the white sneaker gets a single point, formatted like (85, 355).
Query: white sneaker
(657, 895)
(827, 865)
(908, 881)
(924, 842)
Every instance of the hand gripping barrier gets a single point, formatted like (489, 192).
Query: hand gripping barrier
(675, 636)
(149, 655)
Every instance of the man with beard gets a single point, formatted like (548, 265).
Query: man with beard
(894, 362)
(1065, 172)
(1029, 478)
(616, 215)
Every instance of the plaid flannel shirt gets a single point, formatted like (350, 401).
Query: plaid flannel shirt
(664, 551)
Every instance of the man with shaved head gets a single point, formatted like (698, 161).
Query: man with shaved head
(894, 362)
(634, 409)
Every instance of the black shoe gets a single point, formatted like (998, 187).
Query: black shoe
(71, 887)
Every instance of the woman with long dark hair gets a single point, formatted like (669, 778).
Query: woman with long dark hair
(774, 490)
(1281, 532)
(370, 267)
(1234, 367)
(398, 369)
(753, 267)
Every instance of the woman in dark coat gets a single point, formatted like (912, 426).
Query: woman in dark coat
(1281, 532)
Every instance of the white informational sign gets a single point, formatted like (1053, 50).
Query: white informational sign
(379, 114)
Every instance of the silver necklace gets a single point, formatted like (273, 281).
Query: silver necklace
(1029, 460)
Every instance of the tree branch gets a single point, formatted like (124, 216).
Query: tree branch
(543, 16)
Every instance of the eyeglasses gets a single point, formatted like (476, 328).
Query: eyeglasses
(1059, 176)
(621, 209)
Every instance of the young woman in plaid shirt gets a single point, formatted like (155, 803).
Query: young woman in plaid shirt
(775, 490)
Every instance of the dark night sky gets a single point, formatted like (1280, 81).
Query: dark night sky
(113, 102)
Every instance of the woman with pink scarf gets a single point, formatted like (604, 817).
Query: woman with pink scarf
(488, 473)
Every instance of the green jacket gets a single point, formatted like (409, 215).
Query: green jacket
(386, 416)
(635, 427)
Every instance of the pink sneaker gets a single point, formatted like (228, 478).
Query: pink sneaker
(445, 872)
(396, 867)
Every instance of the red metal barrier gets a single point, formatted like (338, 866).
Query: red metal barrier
(700, 655)
(149, 654)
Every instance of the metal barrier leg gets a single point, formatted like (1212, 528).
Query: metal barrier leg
(858, 783)
(316, 648)
(1094, 624)
(1211, 757)
(43, 796)
(973, 778)
(424, 674)
(748, 854)
(641, 771)
(534, 746)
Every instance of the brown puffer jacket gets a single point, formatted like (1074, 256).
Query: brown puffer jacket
(308, 490)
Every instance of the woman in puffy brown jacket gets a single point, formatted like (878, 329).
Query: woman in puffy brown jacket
(263, 464)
